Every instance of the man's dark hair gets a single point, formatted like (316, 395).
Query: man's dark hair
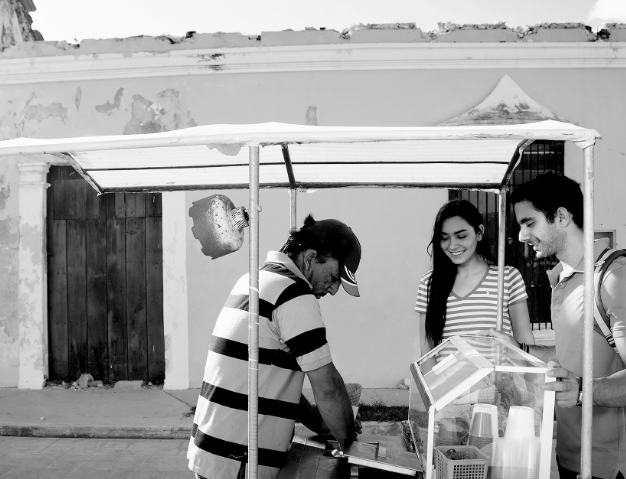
(304, 239)
(550, 191)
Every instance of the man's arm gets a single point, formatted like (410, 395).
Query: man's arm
(609, 391)
(333, 402)
(545, 353)
(311, 418)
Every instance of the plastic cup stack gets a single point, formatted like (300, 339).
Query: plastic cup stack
(516, 455)
(521, 423)
(452, 432)
(481, 433)
(493, 412)
(505, 459)
(528, 458)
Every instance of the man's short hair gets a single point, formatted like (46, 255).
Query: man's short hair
(550, 191)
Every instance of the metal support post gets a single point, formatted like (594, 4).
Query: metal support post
(253, 318)
(501, 250)
(587, 420)
(293, 196)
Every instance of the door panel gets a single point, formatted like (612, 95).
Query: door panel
(76, 297)
(105, 282)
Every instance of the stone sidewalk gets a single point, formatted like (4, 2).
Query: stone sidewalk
(111, 413)
(53, 458)
(103, 433)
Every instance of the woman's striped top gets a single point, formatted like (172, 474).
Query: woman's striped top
(476, 311)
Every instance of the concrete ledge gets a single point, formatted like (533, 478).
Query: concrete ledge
(112, 432)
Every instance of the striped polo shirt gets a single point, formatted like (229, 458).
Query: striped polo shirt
(477, 310)
(292, 341)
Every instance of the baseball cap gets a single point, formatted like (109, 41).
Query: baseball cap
(338, 238)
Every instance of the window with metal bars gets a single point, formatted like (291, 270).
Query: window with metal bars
(539, 157)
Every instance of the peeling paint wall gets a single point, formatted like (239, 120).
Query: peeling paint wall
(382, 322)
(9, 243)
(166, 114)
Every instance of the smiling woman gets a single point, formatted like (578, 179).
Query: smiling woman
(458, 296)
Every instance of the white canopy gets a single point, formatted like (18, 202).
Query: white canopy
(309, 156)
(302, 156)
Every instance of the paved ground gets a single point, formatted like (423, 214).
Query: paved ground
(99, 433)
(52, 458)
(113, 413)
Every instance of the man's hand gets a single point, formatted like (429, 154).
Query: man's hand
(565, 386)
(357, 426)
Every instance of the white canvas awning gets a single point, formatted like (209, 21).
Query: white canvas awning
(307, 156)
(214, 156)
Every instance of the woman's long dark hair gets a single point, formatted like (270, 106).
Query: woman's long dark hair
(444, 270)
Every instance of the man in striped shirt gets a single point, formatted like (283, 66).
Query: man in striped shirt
(292, 342)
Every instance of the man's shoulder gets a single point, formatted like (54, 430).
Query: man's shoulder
(619, 263)
(279, 269)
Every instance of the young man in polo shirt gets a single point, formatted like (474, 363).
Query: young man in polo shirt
(549, 209)
(313, 262)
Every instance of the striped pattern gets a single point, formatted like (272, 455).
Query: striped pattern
(477, 311)
(292, 340)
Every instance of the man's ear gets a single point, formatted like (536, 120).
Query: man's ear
(309, 256)
(562, 216)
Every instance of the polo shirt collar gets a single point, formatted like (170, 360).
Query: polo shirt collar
(282, 258)
(599, 246)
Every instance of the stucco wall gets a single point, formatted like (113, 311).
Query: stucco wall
(9, 241)
(370, 337)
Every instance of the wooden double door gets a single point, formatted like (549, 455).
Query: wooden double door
(105, 282)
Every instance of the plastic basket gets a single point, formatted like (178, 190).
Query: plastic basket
(470, 463)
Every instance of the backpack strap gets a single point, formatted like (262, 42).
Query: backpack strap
(603, 323)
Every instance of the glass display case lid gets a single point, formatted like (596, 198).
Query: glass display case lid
(459, 362)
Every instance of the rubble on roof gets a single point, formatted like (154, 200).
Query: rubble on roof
(475, 33)
(384, 32)
(347, 33)
(449, 27)
(615, 32)
(499, 32)
(448, 32)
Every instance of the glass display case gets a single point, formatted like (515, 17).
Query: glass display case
(477, 410)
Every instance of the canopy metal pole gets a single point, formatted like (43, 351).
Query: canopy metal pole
(253, 318)
(293, 190)
(501, 250)
(293, 196)
(587, 420)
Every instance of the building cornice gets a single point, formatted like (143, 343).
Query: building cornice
(309, 58)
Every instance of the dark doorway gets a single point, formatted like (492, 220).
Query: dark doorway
(105, 282)
(537, 158)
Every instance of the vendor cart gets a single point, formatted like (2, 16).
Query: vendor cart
(274, 155)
